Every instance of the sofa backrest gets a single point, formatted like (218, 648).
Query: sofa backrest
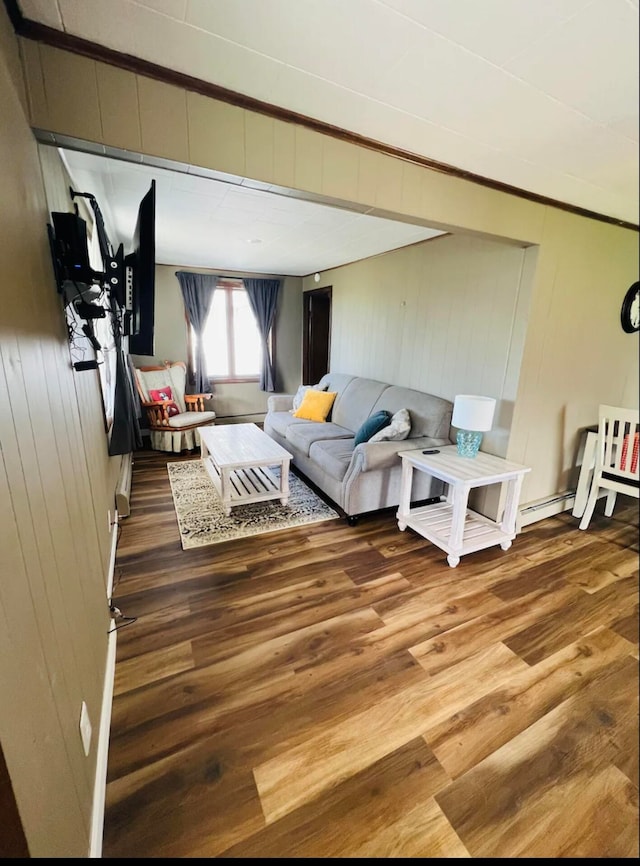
(358, 398)
(430, 415)
(355, 399)
(336, 382)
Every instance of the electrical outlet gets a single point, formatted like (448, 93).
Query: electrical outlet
(85, 728)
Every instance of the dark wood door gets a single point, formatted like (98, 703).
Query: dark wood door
(13, 843)
(317, 335)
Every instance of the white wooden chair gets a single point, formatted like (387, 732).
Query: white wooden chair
(172, 432)
(616, 463)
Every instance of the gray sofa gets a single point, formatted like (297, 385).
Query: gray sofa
(366, 477)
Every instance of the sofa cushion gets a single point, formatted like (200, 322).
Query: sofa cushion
(304, 434)
(372, 425)
(397, 430)
(315, 405)
(333, 456)
(302, 390)
(188, 419)
(281, 421)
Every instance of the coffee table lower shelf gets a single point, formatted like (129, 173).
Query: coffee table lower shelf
(251, 484)
(434, 522)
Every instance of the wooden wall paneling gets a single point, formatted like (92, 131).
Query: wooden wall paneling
(368, 164)
(308, 160)
(259, 147)
(520, 318)
(446, 275)
(573, 326)
(347, 344)
(339, 169)
(102, 471)
(12, 61)
(389, 184)
(289, 335)
(38, 739)
(71, 92)
(411, 195)
(284, 149)
(87, 489)
(100, 474)
(119, 107)
(216, 134)
(163, 119)
(61, 592)
(462, 326)
(38, 112)
(398, 276)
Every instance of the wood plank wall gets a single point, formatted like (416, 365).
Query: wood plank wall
(55, 491)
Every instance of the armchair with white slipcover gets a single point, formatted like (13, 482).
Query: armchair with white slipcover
(173, 417)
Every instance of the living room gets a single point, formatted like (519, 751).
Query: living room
(557, 352)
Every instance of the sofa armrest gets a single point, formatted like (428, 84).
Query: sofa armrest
(381, 455)
(279, 402)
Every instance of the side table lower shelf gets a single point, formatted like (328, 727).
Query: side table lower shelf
(434, 523)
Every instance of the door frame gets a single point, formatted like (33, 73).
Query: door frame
(307, 324)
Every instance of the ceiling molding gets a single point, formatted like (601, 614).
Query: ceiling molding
(37, 32)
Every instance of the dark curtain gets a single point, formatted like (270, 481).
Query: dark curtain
(197, 292)
(263, 297)
(125, 431)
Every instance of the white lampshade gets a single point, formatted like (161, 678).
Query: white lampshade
(473, 413)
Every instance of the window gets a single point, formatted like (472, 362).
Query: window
(231, 337)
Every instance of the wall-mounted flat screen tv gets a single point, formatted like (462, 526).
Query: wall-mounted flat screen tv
(140, 265)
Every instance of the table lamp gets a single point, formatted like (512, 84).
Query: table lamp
(473, 416)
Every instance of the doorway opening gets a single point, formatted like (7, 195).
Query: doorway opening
(317, 334)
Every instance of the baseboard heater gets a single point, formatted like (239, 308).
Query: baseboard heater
(562, 497)
(546, 508)
(123, 488)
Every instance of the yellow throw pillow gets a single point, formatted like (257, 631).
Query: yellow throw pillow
(316, 405)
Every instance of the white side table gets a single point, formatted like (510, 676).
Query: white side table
(450, 524)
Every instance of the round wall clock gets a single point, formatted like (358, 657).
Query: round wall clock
(630, 310)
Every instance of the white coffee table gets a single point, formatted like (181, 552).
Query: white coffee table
(237, 458)
(450, 525)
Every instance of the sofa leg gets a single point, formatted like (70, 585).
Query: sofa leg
(352, 520)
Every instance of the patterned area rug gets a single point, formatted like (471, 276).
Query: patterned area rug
(202, 521)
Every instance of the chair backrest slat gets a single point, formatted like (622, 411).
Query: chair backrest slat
(618, 441)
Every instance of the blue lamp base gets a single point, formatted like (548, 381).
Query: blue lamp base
(468, 442)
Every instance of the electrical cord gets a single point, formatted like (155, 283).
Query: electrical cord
(118, 616)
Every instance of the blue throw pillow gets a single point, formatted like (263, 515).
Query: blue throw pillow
(372, 425)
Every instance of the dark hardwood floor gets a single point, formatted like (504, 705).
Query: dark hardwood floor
(337, 691)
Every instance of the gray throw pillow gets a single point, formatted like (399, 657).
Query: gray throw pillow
(302, 390)
(398, 429)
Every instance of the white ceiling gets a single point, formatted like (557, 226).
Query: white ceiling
(232, 223)
(538, 94)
